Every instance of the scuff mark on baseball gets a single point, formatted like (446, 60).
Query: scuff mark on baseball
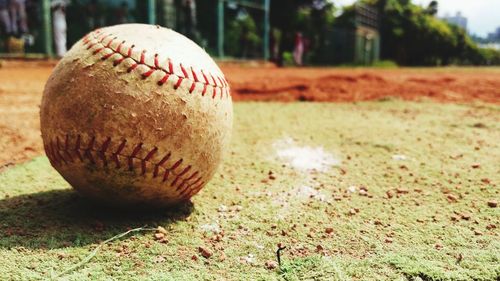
(136, 114)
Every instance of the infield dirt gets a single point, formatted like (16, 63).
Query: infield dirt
(21, 86)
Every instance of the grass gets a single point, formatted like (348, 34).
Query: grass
(423, 218)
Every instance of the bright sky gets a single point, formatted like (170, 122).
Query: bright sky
(483, 15)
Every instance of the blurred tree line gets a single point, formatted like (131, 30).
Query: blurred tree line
(411, 34)
(244, 30)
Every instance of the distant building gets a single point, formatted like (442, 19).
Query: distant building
(457, 19)
(494, 36)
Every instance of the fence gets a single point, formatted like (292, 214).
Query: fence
(205, 21)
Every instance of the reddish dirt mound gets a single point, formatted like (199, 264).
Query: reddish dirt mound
(21, 86)
(346, 85)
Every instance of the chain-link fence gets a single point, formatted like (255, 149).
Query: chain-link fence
(35, 28)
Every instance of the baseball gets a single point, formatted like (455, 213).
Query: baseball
(136, 114)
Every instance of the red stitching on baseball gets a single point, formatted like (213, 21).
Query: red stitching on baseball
(90, 41)
(132, 67)
(180, 188)
(52, 152)
(57, 155)
(163, 160)
(180, 175)
(118, 49)
(148, 73)
(194, 190)
(184, 71)
(178, 84)
(117, 152)
(157, 65)
(204, 90)
(55, 150)
(183, 191)
(97, 51)
(164, 79)
(195, 182)
(90, 46)
(193, 86)
(205, 77)
(104, 37)
(176, 165)
(132, 156)
(146, 159)
(129, 52)
(105, 57)
(58, 145)
(77, 148)
(102, 153)
(213, 79)
(186, 181)
(192, 176)
(110, 41)
(88, 150)
(170, 67)
(66, 148)
(220, 80)
(165, 176)
(118, 61)
(194, 75)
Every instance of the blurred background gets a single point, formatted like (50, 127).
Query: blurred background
(292, 32)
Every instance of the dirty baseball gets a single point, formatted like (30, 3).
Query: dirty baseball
(136, 114)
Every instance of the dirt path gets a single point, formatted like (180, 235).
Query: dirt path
(21, 86)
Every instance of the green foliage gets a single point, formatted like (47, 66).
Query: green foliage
(242, 37)
(288, 59)
(412, 35)
(312, 18)
(432, 8)
(385, 64)
(486, 56)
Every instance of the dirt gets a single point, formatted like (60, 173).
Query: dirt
(348, 85)
(21, 86)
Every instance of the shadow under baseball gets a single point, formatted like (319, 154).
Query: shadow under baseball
(62, 218)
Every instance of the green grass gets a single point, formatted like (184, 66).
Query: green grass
(46, 228)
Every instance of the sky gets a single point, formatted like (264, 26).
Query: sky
(483, 15)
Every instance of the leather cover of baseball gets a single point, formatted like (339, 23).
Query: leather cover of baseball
(136, 114)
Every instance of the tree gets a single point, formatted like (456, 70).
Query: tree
(432, 8)
(311, 17)
(412, 35)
